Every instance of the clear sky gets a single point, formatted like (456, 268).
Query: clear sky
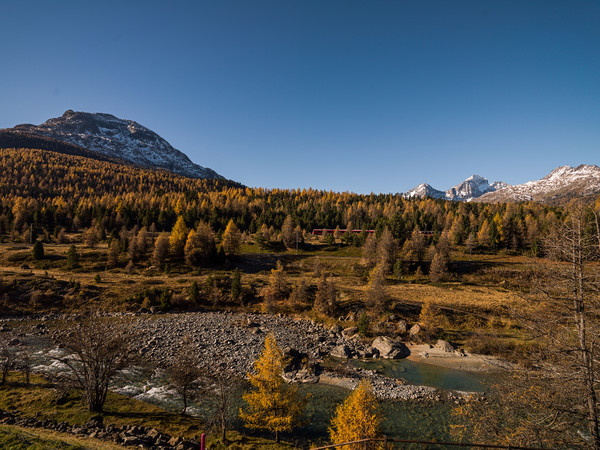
(362, 96)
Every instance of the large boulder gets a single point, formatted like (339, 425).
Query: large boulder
(444, 346)
(342, 351)
(389, 349)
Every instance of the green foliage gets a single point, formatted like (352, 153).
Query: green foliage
(236, 285)
(38, 251)
(72, 257)
(165, 299)
(194, 293)
(363, 324)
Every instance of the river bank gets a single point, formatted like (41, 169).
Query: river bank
(233, 341)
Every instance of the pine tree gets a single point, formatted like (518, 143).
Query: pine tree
(376, 295)
(439, 267)
(161, 250)
(232, 239)
(178, 237)
(192, 251)
(38, 250)
(72, 257)
(430, 316)
(369, 249)
(326, 297)
(387, 248)
(236, 285)
(90, 237)
(194, 293)
(112, 254)
(287, 232)
(299, 295)
(272, 404)
(277, 280)
(357, 418)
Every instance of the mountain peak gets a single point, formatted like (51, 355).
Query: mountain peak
(473, 187)
(562, 183)
(117, 138)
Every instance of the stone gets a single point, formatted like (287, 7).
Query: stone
(336, 329)
(389, 349)
(175, 441)
(402, 326)
(131, 440)
(415, 330)
(153, 433)
(341, 351)
(96, 421)
(444, 346)
(349, 332)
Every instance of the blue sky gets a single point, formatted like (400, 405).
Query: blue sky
(362, 96)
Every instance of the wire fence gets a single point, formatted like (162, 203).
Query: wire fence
(390, 444)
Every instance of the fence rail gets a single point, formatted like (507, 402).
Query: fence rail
(386, 441)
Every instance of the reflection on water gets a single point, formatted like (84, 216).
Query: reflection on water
(428, 374)
(402, 420)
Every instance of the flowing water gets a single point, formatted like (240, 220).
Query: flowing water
(402, 420)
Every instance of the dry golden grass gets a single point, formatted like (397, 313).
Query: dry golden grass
(470, 298)
(37, 438)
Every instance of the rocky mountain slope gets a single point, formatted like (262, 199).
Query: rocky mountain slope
(116, 139)
(559, 185)
(473, 187)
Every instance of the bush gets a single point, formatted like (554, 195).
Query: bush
(363, 324)
(38, 251)
(72, 258)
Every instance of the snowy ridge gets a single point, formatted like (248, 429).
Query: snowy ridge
(473, 187)
(118, 138)
(562, 183)
(424, 190)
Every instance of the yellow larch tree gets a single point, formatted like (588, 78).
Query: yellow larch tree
(232, 239)
(272, 404)
(357, 418)
(178, 237)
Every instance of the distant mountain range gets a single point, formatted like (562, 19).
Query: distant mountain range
(561, 184)
(108, 136)
(473, 187)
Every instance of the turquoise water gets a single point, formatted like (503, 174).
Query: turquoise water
(402, 420)
(428, 374)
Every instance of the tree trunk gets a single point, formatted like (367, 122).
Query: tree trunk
(586, 359)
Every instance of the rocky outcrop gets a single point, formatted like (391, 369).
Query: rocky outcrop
(390, 349)
(127, 435)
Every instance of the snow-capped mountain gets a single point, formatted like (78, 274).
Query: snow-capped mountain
(562, 183)
(473, 187)
(424, 190)
(117, 138)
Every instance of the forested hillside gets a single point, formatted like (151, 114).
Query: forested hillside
(50, 191)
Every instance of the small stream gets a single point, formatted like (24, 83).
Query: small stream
(402, 420)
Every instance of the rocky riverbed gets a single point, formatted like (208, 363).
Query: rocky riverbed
(233, 341)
